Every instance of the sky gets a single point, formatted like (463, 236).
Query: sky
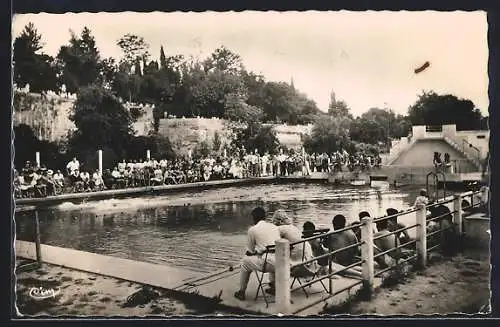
(367, 58)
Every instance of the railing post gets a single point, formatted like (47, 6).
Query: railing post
(37, 239)
(282, 276)
(368, 264)
(457, 218)
(421, 222)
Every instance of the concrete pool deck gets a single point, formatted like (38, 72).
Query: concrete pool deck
(129, 270)
(211, 286)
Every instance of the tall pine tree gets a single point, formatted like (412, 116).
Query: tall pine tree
(163, 59)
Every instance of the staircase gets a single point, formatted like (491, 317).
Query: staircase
(469, 152)
(398, 150)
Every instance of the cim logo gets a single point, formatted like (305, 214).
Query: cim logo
(41, 293)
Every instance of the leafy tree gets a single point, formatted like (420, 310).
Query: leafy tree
(26, 144)
(80, 61)
(133, 47)
(328, 135)
(434, 109)
(239, 111)
(216, 142)
(338, 108)
(256, 136)
(224, 60)
(101, 120)
(30, 67)
(367, 131)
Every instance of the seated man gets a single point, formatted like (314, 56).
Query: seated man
(157, 178)
(309, 230)
(117, 178)
(342, 239)
(169, 177)
(97, 182)
(58, 181)
(260, 235)
(394, 225)
(85, 178)
(386, 242)
(48, 180)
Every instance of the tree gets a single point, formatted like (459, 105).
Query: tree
(256, 136)
(338, 108)
(367, 131)
(216, 144)
(329, 135)
(133, 47)
(163, 59)
(433, 109)
(224, 60)
(80, 61)
(30, 67)
(101, 120)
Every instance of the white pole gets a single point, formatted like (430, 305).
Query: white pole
(421, 235)
(457, 217)
(367, 254)
(100, 161)
(148, 155)
(37, 159)
(282, 274)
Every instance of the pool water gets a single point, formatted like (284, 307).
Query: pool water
(203, 230)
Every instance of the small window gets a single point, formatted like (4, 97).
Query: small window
(481, 136)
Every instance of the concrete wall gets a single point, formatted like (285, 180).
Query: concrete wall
(48, 116)
(422, 152)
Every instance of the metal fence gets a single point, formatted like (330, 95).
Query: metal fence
(448, 217)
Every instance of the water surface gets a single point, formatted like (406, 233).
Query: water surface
(201, 231)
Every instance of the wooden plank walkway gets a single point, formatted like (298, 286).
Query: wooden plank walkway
(129, 270)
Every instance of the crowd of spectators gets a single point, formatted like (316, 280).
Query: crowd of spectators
(35, 181)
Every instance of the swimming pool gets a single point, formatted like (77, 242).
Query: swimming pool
(203, 230)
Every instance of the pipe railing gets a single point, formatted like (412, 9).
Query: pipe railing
(368, 256)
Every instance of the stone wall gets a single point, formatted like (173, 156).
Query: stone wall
(48, 114)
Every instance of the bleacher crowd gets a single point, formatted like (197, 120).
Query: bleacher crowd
(34, 181)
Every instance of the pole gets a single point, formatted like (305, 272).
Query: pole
(37, 159)
(99, 152)
(37, 239)
(421, 235)
(282, 274)
(457, 218)
(148, 155)
(367, 255)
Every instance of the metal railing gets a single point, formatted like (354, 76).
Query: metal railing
(473, 150)
(414, 250)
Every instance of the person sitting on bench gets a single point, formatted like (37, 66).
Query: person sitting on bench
(261, 235)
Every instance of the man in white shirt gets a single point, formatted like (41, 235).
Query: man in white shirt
(261, 235)
(72, 166)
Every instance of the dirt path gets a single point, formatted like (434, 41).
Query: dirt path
(85, 294)
(456, 285)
